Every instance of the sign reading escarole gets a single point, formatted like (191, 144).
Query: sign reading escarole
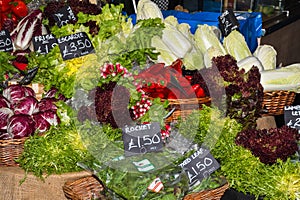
(142, 138)
(75, 45)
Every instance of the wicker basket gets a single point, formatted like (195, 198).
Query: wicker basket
(184, 107)
(38, 89)
(274, 101)
(214, 194)
(86, 188)
(10, 150)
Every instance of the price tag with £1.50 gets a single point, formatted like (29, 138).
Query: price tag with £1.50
(141, 139)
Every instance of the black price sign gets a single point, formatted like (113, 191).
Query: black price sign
(64, 16)
(292, 116)
(5, 41)
(141, 139)
(228, 22)
(44, 43)
(199, 165)
(75, 45)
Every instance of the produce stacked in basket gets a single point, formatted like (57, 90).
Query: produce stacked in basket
(22, 114)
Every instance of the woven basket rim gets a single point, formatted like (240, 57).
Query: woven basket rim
(274, 101)
(215, 193)
(13, 141)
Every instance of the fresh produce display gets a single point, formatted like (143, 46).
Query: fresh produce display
(21, 115)
(129, 78)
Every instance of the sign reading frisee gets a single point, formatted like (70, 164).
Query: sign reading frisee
(44, 43)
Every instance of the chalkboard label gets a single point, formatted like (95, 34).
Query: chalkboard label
(44, 43)
(292, 116)
(5, 41)
(142, 138)
(228, 22)
(64, 16)
(75, 45)
(199, 165)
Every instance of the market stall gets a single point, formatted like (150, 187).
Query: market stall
(159, 105)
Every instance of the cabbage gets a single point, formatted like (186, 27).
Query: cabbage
(285, 78)
(20, 126)
(205, 38)
(5, 114)
(47, 104)
(28, 105)
(185, 29)
(4, 102)
(41, 124)
(171, 20)
(209, 54)
(267, 56)
(179, 44)
(250, 61)
(166, 56)
(193, 60)
(236, 45)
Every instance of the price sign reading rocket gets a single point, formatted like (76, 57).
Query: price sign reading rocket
(75, 45)
(44, 43)
(292, 116)
(5, 41)
(142, 138)
(228, 22)
(199, 165)
(64, 16)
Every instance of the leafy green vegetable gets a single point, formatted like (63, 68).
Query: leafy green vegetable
(55, 72)
(58, 150)
(267, 56)
(235, 44)
(206, 38)
(243, 170)
(6, 66)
